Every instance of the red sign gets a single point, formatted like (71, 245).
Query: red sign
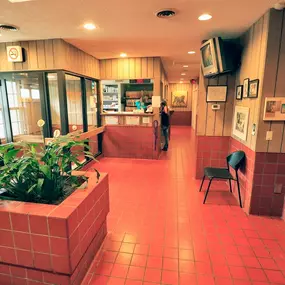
(13, 53)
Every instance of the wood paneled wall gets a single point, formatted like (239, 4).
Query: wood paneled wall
(273, 84)
(195, 92)
(255, 43)
(131, 68)
(80, 62)
(215, 123)
(180, 87)
(50, 55)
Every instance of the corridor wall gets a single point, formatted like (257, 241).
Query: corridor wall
(264, 46)
(182, 115)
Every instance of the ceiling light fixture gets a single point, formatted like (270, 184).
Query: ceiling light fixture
(89, 26)
(191, 52)
(123, 54)
(181, 81)
(185, 66)
(205, 17)
(19, 1)
(183, 74)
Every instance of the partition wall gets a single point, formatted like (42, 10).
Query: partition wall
(67, 102)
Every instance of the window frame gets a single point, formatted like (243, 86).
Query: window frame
(45, 102)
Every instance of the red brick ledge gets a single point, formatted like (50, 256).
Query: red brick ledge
(53, 238)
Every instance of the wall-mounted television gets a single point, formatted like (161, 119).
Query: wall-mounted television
(209, 58)
(219, 56)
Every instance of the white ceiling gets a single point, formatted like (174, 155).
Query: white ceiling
(130, 26)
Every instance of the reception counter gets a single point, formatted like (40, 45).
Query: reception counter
(131, 135)
(127, 119)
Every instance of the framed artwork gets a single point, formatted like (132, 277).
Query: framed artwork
(240, 124)
(245, 88)
(274, 109)
(239, 91)
(253, 88)
(179, 98)
(217, 93)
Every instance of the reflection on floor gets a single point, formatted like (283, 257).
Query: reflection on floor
(160, 233)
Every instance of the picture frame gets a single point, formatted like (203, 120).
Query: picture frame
(240, 123)
(245, 88)
(253, 88)
(274, 109)
(179, 99)
(239, 92)
(216, 93)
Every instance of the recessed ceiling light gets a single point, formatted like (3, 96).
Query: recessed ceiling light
(19, 1)
(205, 17)
(89, 26)
(123, 54)
(181, 81)
(191, 52)
(185, 66)
(183, 74)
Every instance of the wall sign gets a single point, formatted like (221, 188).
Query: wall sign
(15, 54)
(133, 120)
(111, 120)
(217, 93)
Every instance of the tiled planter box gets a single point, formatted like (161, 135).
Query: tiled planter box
(53, 244)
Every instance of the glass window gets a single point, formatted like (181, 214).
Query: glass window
(91, 98)
(54, 101)
(74, 102)
(25, 108)
(2, 127)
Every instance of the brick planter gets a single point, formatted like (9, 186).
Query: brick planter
(53, 244)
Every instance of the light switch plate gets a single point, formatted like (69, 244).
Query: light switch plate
(269, 135)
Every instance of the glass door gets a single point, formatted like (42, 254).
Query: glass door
(25, 106)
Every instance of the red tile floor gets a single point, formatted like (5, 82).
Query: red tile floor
(161, 233)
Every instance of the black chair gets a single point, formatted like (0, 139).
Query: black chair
(235, 160)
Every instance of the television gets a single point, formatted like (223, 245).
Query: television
(219, 56)
(209, 58)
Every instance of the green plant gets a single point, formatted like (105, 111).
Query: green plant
(37, 174)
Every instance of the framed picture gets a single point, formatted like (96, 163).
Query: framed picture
(217, 93)
(274, 109)
(179, 98)
(253, 88)
(245, 88)
(240, 124)
(239, 91)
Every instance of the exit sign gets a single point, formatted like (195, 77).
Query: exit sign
(140, 81)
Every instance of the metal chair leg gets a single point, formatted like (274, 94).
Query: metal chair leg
(230, 185)
(202, 183)
(207, 191)
(240, 203)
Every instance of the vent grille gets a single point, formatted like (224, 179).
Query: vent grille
(8, 28)
(167, 13)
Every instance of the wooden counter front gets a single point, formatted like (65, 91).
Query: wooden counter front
(127, 119)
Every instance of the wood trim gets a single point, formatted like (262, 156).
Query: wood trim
(77, 136)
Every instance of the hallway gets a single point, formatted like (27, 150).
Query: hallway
(159, 232)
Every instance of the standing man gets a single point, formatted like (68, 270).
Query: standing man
(164, 123)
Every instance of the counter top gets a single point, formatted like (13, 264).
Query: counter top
(126, 114)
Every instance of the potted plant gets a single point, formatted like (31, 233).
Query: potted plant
(52, 219)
